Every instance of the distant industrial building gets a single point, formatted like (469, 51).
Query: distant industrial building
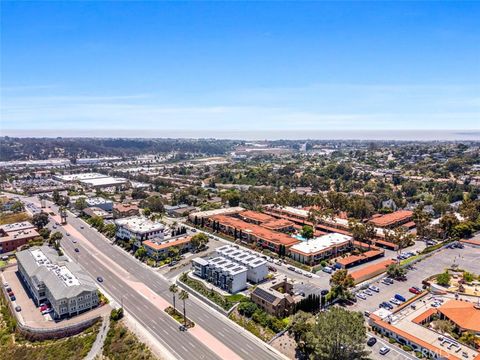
(221, 272)
(53, 278)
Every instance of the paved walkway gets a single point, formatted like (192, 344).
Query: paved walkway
(98, 344)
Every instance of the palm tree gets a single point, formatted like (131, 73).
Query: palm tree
(173, 289)
(184, 296)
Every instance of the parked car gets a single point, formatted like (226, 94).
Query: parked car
(5, 285)
(385, 281)
(68, 234)
(272, 269)
(366, 313)
(291, 268)
(361, 296)
(328, 270)
(374, 288)
(372, 341)
(13, 298)
(368, 292)
(18, 308)
(400, 298)
(307, 274)
(414, 290)
(384, 350)
(394, 301)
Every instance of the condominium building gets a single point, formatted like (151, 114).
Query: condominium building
(257, 269)
(221, 272)
(13, 236)
(140, 228)
(50, 277)
(160, 249)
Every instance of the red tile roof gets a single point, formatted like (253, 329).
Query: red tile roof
(256, 216)
(392, 218)
(371, 269)
(424, 316)
(258, 231)
(465, 314)
(354, 258)
(167, 244)
(277, 224)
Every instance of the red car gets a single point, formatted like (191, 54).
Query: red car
(43, 308)
(414, 290)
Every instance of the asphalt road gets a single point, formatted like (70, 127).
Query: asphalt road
(181, 344)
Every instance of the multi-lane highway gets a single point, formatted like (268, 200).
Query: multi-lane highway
(123, 276)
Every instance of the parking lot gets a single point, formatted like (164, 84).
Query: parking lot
(466, 258)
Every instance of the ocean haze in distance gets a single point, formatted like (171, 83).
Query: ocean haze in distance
(395, 135)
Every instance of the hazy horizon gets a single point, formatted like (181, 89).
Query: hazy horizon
(381, 135)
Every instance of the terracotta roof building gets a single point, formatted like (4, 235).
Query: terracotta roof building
(255, 217)
(392, 220)
(465, 315)
(160, 249)
(125, 210)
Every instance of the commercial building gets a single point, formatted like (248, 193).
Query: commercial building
(100, 202)
(221, 272)
(48, 163)
(125, 210)
(13, 236)
(94, 180)
(179, 210)
(324, 247)
(97, 212)
(464, 315)
(196, 217)
(139, 228)
(275, 298)
(53, 278)
(159, 250)
(354, 260)
(90, 161)
(257, 266)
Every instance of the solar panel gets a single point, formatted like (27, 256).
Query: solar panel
(269, 297)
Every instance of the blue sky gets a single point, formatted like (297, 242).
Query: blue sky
(239, 66)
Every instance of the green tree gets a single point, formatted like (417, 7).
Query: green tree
(448, 223)
(173, 289)
(422, 221)
(443, 279)
(173, 252)
(341, 281)
(395, 271)
(141, 253)
(40, 220)
(44, 232)
(109, 230)
(199, 240)
(307, 232)
(247, 308)
(468, 277)
(184, 296)
(468, 338)
(17, 207)
(81, 203)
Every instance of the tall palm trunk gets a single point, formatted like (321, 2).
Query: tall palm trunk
(184, 314)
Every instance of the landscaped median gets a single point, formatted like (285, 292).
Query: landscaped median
(225, 302)
(174, 313)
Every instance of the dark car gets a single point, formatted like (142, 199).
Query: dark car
(76, 250)
(372, 341)
(414, 290)
(99, 279)
(13, 298)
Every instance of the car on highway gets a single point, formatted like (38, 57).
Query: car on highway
(372, 341)
(76, 250)
(384, 350)
(374, 288)
(291, 268)
(298, 271)
(82, 227)
(68, 234)
(18, 308)
(307, 274)
(99, 279)
(272, 269)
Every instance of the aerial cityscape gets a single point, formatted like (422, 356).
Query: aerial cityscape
(239, 180)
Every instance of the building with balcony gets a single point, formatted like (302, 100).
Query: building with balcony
(223, 273)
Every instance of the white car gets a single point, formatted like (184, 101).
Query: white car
(361, 296)
(368, 292)
(395, 301)
(384, 350)
(374, 288)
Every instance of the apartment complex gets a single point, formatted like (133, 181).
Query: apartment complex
(393, 220)
(53, 278)
(257, 269)
(221, 272)
(13, 236)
